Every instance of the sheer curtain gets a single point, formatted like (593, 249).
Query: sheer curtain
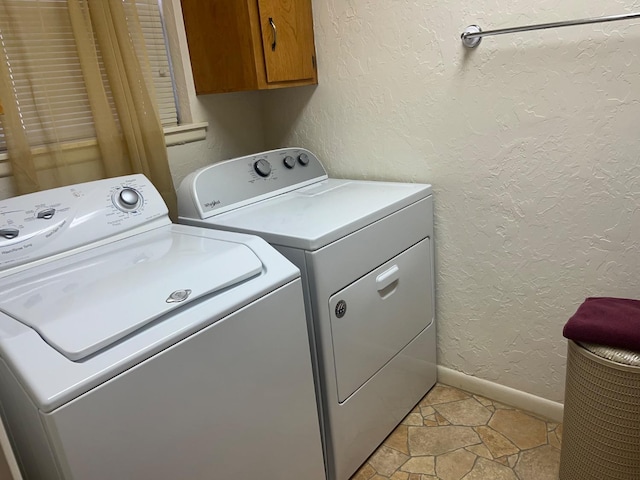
(127, 135)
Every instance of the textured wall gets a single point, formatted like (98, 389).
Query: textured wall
(531, 142)
(235, 129)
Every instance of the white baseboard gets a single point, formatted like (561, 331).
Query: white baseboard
(507, 395)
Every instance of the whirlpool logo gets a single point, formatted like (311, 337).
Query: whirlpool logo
(212, 204)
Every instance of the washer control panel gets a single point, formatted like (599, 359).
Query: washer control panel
(231, 184)
(45, 223)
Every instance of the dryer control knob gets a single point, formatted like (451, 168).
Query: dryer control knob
(303, 158)
(262, 167)
(289, 162)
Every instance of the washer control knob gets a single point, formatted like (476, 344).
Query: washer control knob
(303, 158)
(9, 233)
(127, 199)
(262, 167)
(46, 214)
(289, 162)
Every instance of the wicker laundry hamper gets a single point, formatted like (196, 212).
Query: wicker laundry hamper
(601, 431)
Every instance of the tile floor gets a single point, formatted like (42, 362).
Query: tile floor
(454, 435)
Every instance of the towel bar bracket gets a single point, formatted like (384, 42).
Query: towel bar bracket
(471, 42)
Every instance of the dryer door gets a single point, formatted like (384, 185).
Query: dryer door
(375, 317)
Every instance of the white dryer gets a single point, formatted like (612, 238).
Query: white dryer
(365, 250)
(132, 348)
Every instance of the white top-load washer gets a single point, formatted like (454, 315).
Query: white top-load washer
(134, 348)
(365, 250)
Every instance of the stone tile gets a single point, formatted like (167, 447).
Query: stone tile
(502, 406)
(387, 460)
(489, 470)
(398, 439)
(400, 476)
(445, 432)
(414, 419)
(426, 411)
(454, 465)
(497, 443)
(468, 412)
(438, 440)
(484, 401)
(481, 451)
(523, 430)
(443, 394)
(424, 464)
(365, 473)
(559, 432)
(540, 463)
(441, 420)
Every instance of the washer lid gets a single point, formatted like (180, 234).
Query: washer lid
(88, 301)
(316, 215)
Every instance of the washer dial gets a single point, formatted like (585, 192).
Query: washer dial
(9, 233)
(128, 199)
(46, 214)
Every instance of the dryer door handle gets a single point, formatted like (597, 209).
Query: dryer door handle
(387, 277)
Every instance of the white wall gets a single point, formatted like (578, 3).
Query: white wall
(531, 143)
(235, 129)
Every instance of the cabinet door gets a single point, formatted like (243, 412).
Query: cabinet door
(287, 37)
(221, 47)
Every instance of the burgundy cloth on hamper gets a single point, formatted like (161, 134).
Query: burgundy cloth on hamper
(613, 322)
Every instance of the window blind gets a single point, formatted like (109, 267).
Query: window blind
(36, 42)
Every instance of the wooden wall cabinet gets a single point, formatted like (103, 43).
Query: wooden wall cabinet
(239, 45)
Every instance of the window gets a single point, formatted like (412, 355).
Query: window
(37, 43)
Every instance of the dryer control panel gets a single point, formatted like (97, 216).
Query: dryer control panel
(234, 183)
(42, 224)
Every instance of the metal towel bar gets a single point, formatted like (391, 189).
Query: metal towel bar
(473, 34)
